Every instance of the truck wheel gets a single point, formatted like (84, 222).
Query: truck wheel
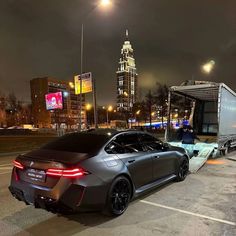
(226, 150)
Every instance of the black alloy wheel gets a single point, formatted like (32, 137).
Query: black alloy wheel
(183, 170)
(119, 196)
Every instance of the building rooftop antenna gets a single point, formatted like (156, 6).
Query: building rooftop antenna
(127, 35)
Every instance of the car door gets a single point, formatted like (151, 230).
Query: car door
(138, 162)
(164, 160)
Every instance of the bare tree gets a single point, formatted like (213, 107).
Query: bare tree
(161, 95)
(2, 110)
(150, 101)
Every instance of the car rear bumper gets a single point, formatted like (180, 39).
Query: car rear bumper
(46, 202)
(65, 196)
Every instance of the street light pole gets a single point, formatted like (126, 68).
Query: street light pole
(108, 109)
(81, 72)
(81, 84)
(136, 116)
(95, 104)
(104, 4)
(107, 118)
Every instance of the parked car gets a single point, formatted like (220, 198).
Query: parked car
(95, 170)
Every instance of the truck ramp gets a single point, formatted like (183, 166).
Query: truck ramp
(203, 150)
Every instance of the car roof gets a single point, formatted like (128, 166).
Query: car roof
(113, 132)
(102, 131)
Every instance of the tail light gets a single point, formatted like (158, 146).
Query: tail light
(69, 173)
(18, 165)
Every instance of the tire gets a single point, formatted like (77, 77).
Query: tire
(225, 151)
(183, 170)
(118, 197)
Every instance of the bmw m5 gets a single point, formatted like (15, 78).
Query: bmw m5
(101, 169)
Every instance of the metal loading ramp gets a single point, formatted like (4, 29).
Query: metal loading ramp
(205, 150)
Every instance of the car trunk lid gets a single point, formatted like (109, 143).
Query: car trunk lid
(38, 162)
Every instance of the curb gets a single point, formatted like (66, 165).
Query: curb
(231, 158)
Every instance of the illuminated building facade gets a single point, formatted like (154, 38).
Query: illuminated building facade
(68, 117)
(126, 78)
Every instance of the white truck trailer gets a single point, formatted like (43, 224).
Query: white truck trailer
(213, 113)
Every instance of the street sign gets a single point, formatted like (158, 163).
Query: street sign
(87, 84)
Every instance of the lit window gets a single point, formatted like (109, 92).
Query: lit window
(120, 91)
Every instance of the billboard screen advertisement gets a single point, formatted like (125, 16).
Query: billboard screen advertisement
(87, 85)
(54, 101)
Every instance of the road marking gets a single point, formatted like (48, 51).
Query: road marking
(188, 212)
(3, 173)
(6, 164)
(6, 168)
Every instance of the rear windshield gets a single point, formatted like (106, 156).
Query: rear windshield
(78, 142)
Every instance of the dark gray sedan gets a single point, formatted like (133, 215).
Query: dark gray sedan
(95, 170)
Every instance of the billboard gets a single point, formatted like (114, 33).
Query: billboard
(87, 84)
(54, 101)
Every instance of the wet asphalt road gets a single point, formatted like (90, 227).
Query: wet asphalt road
(204, 204)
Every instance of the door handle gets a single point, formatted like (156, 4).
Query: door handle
(131, 161)
(156, 157)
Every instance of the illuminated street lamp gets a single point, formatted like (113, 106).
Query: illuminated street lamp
(208, 67)
(88, 108)
(125, 94)
(71, 84)
(136, 114)
(104, 4)
(185, 114)
(109, 109)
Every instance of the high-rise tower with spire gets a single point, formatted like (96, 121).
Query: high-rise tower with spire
(126, 77)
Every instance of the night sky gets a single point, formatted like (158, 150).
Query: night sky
(171, 39)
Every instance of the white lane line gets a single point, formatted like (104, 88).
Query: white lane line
(2, 165)
(3, 173)
(5, 169)
(188, 212)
